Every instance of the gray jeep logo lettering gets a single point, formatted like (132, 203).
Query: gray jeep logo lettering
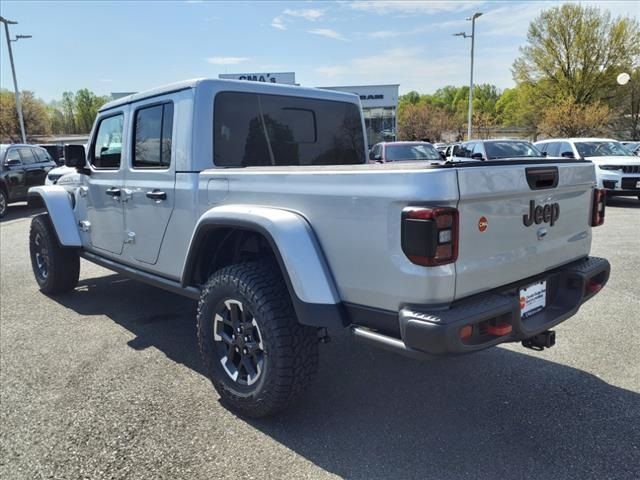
(548, 213)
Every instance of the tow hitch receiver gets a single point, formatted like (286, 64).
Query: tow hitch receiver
(541, 341)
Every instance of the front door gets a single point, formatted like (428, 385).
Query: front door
(149, 180)
(103, 193)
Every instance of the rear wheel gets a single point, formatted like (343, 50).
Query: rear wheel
(56, 269)
(3, 203)
(257, 355)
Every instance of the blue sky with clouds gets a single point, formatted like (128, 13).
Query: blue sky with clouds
(130, 46)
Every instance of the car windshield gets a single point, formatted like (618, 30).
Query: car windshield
(510, 149)
(602, 149)
(418, 151)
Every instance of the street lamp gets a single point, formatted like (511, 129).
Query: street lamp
(13, 71)
(472, 37)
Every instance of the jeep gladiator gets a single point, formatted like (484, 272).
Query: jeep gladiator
(257, 201)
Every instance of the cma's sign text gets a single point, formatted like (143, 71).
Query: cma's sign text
(259, 78)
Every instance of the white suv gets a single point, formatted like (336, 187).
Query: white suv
(617, 170)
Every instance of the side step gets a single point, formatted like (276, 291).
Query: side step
(386, 342)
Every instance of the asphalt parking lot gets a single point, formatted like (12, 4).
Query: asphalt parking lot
(106, 383)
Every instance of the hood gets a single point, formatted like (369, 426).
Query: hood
(62, 170)
(615, 160)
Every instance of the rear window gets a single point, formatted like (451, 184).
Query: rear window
(498, 150)
(261, 130)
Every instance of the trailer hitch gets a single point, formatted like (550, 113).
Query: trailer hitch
(540, 341)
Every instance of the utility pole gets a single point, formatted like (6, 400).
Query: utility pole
(472, 37)
(13, 71)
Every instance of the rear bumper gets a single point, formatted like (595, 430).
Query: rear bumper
(437, 332)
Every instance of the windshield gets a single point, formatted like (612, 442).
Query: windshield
(510, 149)
(418, 151)
(602, 149)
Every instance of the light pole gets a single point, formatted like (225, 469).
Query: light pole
(472, 37)
(13, 71)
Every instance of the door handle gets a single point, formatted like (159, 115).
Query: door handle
(156, 195)
(113, 192)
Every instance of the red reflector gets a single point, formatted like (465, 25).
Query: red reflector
(444, 221)
(598, 207)
(499, 330)
(593, 286)
(444, 251)
(466, 332)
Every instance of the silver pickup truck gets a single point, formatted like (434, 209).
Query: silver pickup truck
(257, 201)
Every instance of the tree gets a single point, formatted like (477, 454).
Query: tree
(34, 111)
(576, 51)
(626, 103)
(68, 112)
(568, 118)
(422, 121)
(87, 105)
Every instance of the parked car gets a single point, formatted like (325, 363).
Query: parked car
(500, 149)
(259, 204)
(617, 170)
(21, 167)
(633, 146)
(384, 152)
(56, 173)
(451, 151)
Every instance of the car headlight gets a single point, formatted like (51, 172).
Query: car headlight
(610, 167)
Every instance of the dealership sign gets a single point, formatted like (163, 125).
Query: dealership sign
(287, 78)
(373, 96)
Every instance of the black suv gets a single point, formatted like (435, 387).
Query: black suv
(21, 167)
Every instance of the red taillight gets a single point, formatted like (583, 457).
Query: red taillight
(597, 209)
(430, 235)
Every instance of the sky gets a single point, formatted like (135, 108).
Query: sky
(125, 46)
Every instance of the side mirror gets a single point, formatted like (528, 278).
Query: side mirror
(476, 156)
(567, 155)
(442, 155)
(75, 157)
(12, 163)
(544, 154)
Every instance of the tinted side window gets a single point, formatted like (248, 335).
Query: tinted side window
(477, 148)
(565, 147)
(13, 155)
(152, 137)
(107, 149)
(27, 156)
(552, 149)
(41, 155)
(253, 130)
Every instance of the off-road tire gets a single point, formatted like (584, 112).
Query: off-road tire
(4, 202)
(290, 349)
(56, 269)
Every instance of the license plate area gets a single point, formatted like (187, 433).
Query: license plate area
(533, 298)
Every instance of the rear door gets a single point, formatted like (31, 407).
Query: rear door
(519, 220)
(150, 179)
(14, 175)
(33, 169)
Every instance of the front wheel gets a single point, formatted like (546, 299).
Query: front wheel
(257, 355)
(3, 203)
(56, 269)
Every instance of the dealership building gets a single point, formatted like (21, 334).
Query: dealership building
(379, 102)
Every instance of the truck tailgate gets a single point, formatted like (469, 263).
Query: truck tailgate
(496, 247)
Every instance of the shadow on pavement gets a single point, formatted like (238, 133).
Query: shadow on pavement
(624, 202)
(16, 211)
(371, 414)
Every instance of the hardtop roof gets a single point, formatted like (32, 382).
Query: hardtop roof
(235, 85)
